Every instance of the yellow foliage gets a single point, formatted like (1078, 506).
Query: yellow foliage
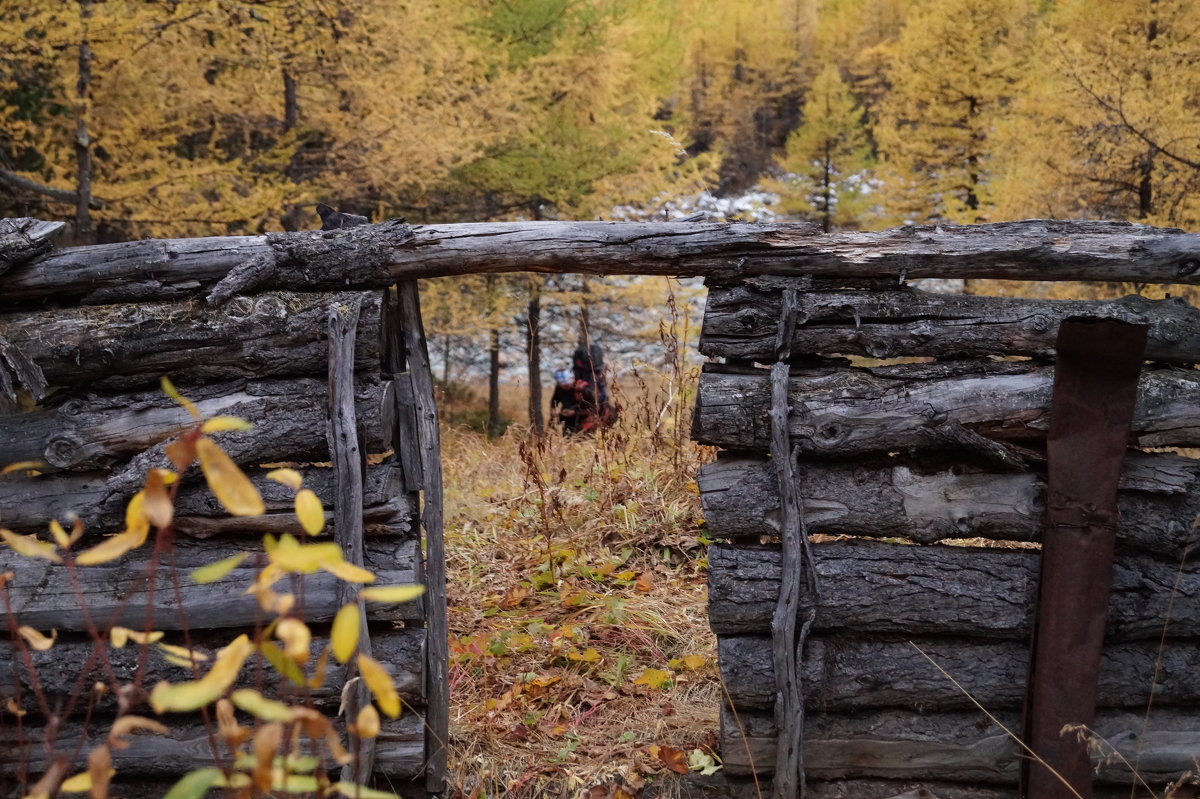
(380, 683)
(195, 694)
(229, 484)
(343, 636)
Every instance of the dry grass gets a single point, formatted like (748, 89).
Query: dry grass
(575, 566)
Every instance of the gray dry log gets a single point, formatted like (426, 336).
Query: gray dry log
(71, 665)
(401, 748)
(375, 256)
(43, 594)
(90, 430)
(844, 673)
(121, 347)
(937, 789)
(957, 747)
(882, 588)
(28, 503)
(848, 411)
(23, 239)
(740, 323)
(1159, 501)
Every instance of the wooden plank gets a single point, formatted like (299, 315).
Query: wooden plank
(70, 666)
(957, 747)
(885, 588)
(90, 430)
(929, 501)
(740, 323)
(28, 503)
(375, 256)
(43, 594)
(122, 347)
(845, 412)
(845, 673)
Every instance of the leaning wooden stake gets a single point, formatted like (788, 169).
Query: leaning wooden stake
(348, 504)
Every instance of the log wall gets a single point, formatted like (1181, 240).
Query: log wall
(917, 421)
(79, 393)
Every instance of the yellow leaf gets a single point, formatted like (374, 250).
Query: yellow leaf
(625, 575)
(354, 791)
(589, 655)
(123, 635)
(135, 512)
(157, 503)
(655, 678)
(288, 477)
(22, 466)
(12, 707)
(282, 664)
(36, 640)
(296, 637)
(292, 556)
(127, 724)
(392, 593)
(294, 783)
(221, 424)
(309, 512)
(693, 662)
(195, 694)
(218, 569)
(80, 783)
(229, 484)
(101, 770)
(29, 546)
(343, 637)
(367, 723)
(60, 535)
(181, 452)
(169, 389)
(113, 547)
(260, 707)
(347, 571)
(381, 685)
(319, 671)
(168, 476)
(189, 656)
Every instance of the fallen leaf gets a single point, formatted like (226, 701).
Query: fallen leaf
(655, 678)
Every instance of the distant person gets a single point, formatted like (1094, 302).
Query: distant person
(592, 388)
(564, 402)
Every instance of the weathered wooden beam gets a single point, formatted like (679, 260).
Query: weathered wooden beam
(71, 665)
(375, 256)
(28, 503)
(882, 588)
(841, 412)
(45, 596)
(121, 347)
(23, 239)
(844, 673)
(904, 498)
(958, 747)
(89, 430)
(740, 323)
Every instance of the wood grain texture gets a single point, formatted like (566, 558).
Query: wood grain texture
(845, 673)
(740, 323)
(44, 596)
(927, 501)
(846, 412)
(375, 256)
(122, 347)
(883, 588)
(23, 239)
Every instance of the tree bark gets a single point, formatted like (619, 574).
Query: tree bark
(375, 256)
(885, 589)
(494, 428)
(847, 411)
(740, 323)
(83, 143)
(533, 349)
(927, 501)
(23, 239)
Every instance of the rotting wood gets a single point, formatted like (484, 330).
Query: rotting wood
(27, 504)
(87, 430)
(846, 673)
(123, 347)
(931, 789)
(64, 668)
(928, 501)
(429, 441)
(882, 588)
(960, 746)
(740, 323)
(348, 466)
(853, 411)
(23, 239)
(400, 746)
(375, 256)
(43, 595)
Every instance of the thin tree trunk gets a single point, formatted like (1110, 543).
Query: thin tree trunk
(291, 108)
(585, 324)
(493, 417)
(83, 143)
(533, 348)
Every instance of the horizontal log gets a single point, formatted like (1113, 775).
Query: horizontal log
(28, 503)
(121, 347)
(1159, 501)
(842, 673)
(400, 748)
(72, 665)
(740, 322)
(90, 430)
(936, 789)
(375, 256)
(957, 747)
(23, 239)
(841, 412)
(883, 588)
(44, 595)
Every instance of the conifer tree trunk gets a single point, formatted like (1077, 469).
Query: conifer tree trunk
(493, 418)
(533, 349)
(291, 108)
(83, 143)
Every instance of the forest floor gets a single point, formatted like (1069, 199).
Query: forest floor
(581, 658)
